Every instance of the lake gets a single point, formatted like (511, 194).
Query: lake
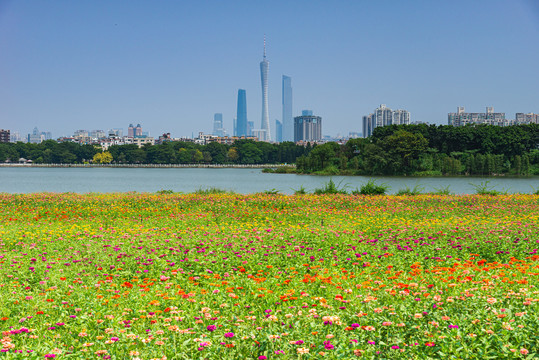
(245, 181)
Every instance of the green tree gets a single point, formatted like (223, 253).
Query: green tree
(232, 155)
(197, 156)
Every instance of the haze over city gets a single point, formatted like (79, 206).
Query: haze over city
(171, 65)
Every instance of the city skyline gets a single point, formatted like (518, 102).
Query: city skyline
(80, 65)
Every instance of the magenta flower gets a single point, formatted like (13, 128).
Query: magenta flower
(211, 327)
(229, 335)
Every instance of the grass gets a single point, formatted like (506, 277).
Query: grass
(212, 190)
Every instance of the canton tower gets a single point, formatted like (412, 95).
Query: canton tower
(264, 67)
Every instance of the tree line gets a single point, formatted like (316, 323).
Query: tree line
(415, 150)
(431, 150)
(241, 152)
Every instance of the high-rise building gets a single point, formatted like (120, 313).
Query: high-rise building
(307, 127)
(138, 130)
(288, 119)
(401, 117)
(35, 137)
(5, 136)
(241, 118)
(462, 118)
(264, 124)
(278, 131)
(250, 127)
(116, 132)
(384, 116)
(16, 137)
(81, 133)
(46, 135)
(529, 118)
(218, 124)
(131, 131)
(98, 134)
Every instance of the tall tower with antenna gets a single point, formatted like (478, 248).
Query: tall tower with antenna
(264, 67)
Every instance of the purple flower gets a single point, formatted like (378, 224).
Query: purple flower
(328, 345)
(211, 327)
(229, 335)
(453, 326)
(395, 347)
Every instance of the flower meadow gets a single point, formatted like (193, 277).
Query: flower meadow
(266, 276)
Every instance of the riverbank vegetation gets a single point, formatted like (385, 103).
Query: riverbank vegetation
(411, 150)
(430, 150)
(265, 276)
(241, 152)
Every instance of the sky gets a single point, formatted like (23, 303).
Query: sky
(170, 65)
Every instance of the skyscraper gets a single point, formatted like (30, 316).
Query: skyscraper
(288, 120)
(131, 131)
(264, 67)
(307, 127)
(218, 124)
(278, 131)
(241, 118)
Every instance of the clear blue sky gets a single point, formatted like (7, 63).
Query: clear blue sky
(170, 65)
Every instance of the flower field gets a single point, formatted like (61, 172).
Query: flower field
(149, 276)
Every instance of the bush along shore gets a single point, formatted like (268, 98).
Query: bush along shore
(430, 150)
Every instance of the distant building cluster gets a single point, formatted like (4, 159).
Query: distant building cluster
(37, 137)
(113, 136)
(384, 116)
(489, 117)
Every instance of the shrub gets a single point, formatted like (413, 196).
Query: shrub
(213, 190)
(441, 191)
(407, 191)
(165, 192)
(330, 188)
(485, 189)
(371, 188)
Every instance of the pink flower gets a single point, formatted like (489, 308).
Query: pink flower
(524, 351)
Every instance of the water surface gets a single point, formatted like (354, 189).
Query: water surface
(85, 180)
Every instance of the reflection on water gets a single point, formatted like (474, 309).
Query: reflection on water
(28, 180)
